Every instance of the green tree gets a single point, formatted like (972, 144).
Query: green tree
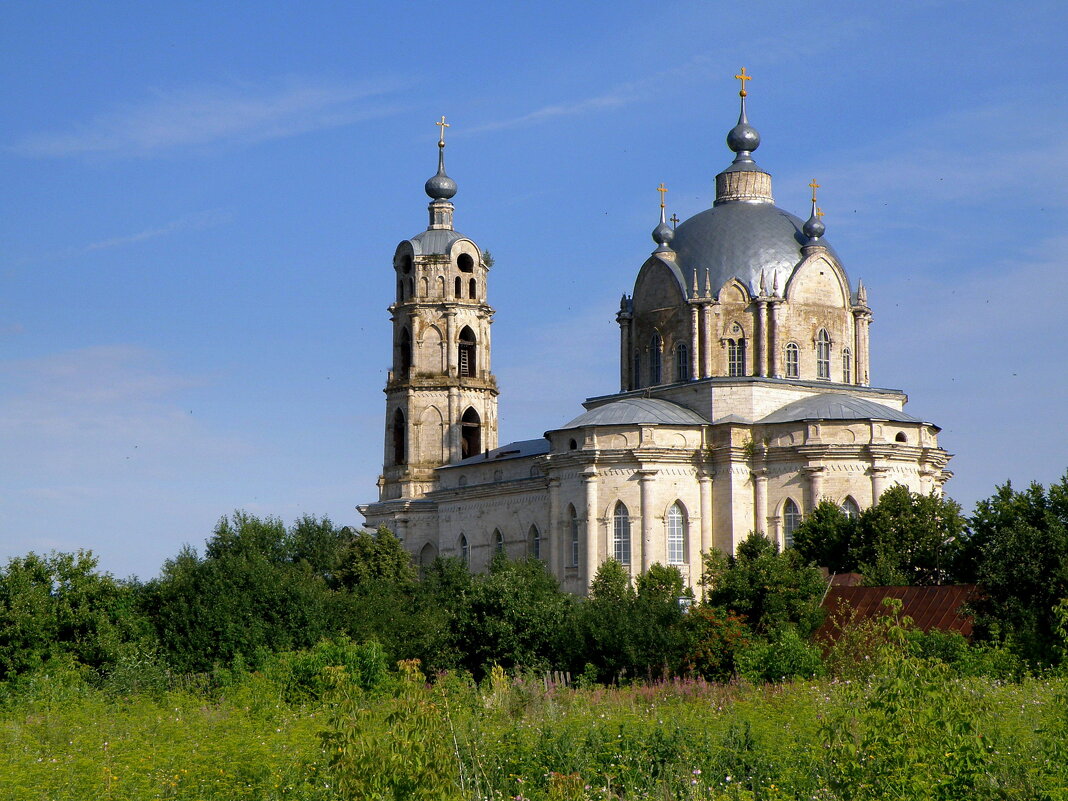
(60, 606)
(515, 618)
(245, 597)
(1018, 554)
(374, 558)
(604, 623)
(906, 538)
(770, 588)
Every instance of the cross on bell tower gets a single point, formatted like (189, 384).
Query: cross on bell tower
(441, 397)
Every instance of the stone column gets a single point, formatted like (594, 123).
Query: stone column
(695, 342)
(861, 318)
(589, 570)
(815, 485)
(762, 343)
(706, 340)
(705, 482)
(554, 546)
(773, 340)
(626, 355)
(760, 499)
(450, 343)
(878, 482)
(453, 423)
(646, 479)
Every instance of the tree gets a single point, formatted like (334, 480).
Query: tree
(1017, 552)
(770, 588)
(906, 538)
(604, 623)
(59, 606)
(375, 558)
(246, 596)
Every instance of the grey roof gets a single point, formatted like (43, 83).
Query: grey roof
(836, 406)
(513, 450)
(435, 241)
(738, 239)
(637, 411)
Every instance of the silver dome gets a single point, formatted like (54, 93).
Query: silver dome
(739, 240)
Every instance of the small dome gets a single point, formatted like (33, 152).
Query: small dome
(814, 228)
(440, 186)
(637, 411)
(663, 234)
(743, 136)
(837, 406)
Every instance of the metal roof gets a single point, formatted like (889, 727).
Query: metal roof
(637, 411)
(837, 406)
(513, 450)
(435, 241)
(938, 608)
(740, 239)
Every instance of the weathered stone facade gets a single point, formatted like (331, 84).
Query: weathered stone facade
(744, 400)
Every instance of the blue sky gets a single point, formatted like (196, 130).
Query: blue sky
(200, 204)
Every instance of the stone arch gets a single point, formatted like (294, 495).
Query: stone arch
(432, 435)
(434, 355)
(427, 554)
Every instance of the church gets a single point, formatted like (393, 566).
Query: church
(744, 398)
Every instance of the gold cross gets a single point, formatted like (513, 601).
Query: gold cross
(743, 78)
(442, 125)
(814, 186)
(819, 211)
(674, 220)
(662, 190)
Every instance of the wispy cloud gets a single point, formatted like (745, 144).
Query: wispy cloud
(206, 219)
(196, 116)
(621, 95)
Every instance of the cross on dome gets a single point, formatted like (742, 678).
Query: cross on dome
(442, 125)
(741, 76)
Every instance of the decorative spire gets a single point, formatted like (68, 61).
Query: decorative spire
(663, 233)
(814, 227)
(775, 283)
(862, 293)
(743, 138)
(441, 187)
(708, 283)
(763, 284)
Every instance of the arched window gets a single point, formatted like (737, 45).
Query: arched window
(535, 542)
(621, 534)
(656, 345)
(472, 289)
(791, 519)
(850, 508)
(676, 535)
(441, 285)
(635, 378)
(901, 437)
(793, 360)
(466, 352)
(572, 444)
(470, 433)
(424, 286)
(465, 263)
(847, 366)
(427, 554)
(823, 354)
(573, 520)
(456, 288)
(398, 437)
(682, 362)
(498, 541)
(736, 357)
(465, 551)
(405, 353)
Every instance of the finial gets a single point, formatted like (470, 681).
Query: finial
(708, 283)
(775, 283)
(763, 283)
(741, 77)
(663, 233)
(743, 138)
(441, 186)
(814, 227)
(862, 293)
(674, 220)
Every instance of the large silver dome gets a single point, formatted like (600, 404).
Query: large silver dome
(739, 239)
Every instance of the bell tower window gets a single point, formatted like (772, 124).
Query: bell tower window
(399, 431)
(472, 289)
(470, 434)
(457, 289)
(466, 353)
(465, 263)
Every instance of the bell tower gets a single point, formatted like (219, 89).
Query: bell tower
(441, 398)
